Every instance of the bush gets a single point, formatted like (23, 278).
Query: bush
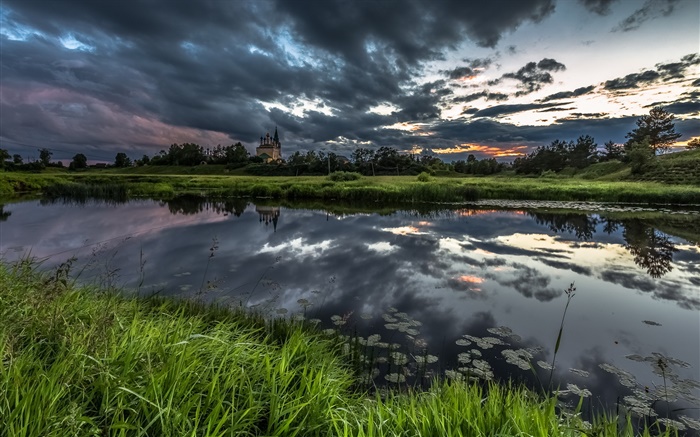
(423, 177)
(344, 176)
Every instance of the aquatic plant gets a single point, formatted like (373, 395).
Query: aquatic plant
(569, 295)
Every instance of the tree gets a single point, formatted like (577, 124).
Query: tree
(658, 127)
(639, 154)
(121, 160)
(583, 152)
(45, 156)
(4, 156)
(79, 162)
(694, 143)
(17, 159)
(236, 153)
(613, 151)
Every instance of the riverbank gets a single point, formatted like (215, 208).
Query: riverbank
(85, 361)
(368, 189)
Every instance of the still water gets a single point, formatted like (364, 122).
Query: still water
(438, 282)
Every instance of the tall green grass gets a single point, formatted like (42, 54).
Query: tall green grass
(79, 361)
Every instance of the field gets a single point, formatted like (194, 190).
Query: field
(670, 179)
(368, 189)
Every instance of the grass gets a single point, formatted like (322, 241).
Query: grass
(368, 189)
(81, 361)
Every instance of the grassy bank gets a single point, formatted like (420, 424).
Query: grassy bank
(82, 362)
(380, 189)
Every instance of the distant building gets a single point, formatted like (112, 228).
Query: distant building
(270, 148)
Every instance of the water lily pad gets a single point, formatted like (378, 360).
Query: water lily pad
(579, 372)
(651, 323)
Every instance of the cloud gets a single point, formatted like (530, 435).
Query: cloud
(650, 10)
(461, 73)
(664, 72)
(632, 80)
(482, 94)
(530, 283)
(569, 94)
(499, 110)
(534, 75)
(600, 7)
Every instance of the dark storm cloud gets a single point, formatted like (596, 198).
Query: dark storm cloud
(473, 69)
(556, 109)
(479, 62)
(460, 72)
(663, 72)
(600, 7)
(165, 69)
(632, 80)
(534, 75)
(499, 110)
(569, 94)
(476, 96)
(680, 107)
(650, 10)
(348, 28)
(422, 104)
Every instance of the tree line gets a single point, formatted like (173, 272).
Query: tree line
(653, 135)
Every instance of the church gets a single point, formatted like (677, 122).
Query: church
(270, 149)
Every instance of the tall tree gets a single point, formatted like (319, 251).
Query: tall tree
(4, 156)
(658, 126)
(583, 152)
(613, 151)
(121, 160)
(45, 156)
(79, 162)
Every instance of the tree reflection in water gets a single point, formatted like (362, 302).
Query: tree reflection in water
(651, 249)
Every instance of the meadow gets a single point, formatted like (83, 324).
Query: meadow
(85, 361)
(383, 189)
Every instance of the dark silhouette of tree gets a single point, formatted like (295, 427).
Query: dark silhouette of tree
(17, 159)
(45, 156)
(79, 162)
(651, 249)
(613, 151)
(694, 143)
(658, 127)
(121, 160)
(4, 156)
(584, 152)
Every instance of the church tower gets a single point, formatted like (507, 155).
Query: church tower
(270, 148)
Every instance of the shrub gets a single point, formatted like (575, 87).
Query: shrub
(423, 177)
(343, 176)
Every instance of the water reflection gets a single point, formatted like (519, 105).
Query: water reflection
(268, 215)
(4, 215)
(458, 272)
(652, 250)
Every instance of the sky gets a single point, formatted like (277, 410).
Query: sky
(446, 77)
